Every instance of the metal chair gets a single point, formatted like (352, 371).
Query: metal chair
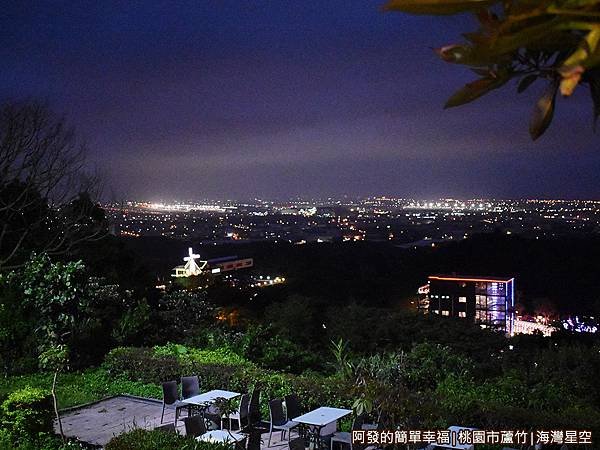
(171, 400)
(241, 413)
(343, 437)
(190, 386)
(254, 416)
(194, 426)
(292, 406)
(279, 421)
(254, 436)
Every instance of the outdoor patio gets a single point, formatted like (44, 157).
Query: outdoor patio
(97, 423)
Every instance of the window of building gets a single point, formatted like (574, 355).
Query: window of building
(445, 313)
(462, 314)
(436, 311)
(462, 299)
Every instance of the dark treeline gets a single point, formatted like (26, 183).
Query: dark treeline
(560, 274)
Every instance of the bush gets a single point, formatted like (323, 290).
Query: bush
(43, 441)
(141, 364)
(76, 388)
(223, 369)
(27, 412)
(139, 439)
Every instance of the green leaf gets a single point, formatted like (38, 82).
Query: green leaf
(476, 89)
(588, 46)
(526, 82)
(511, 41)
(543, 111)
(437, 6)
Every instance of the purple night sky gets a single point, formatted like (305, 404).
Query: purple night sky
(237, 99)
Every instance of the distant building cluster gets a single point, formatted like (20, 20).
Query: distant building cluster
(212, 266)
(403, 222)
(489, 301)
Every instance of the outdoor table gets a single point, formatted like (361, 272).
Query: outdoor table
(221, 436)
(203, 401)
(320, 417)
(209, 397)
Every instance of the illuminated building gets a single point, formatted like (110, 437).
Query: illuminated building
(487, 301)
(229, 263)
(214, 266)
(191, 267)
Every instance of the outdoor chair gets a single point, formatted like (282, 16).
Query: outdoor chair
(171, 400)
(279, 421)
(194, 426)
(190, 386)
(254, 416)
(254, 434)
(242, 413)
(344, 437)
(292, 407)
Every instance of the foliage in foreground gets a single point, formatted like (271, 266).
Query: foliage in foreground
(555, 41)
(78, 388)
(139, 439)
(49, 304)
(223, 368)
(27, 411)
(26, 417)
(431, 385)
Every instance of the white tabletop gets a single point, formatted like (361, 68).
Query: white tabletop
(217, 436)
(322, 416)
(210, 397)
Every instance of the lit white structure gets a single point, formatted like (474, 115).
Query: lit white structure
(528, 327)
(191, 267)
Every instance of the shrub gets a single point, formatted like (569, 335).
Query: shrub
(27, 412)
(271, 349)
(139, 439)
(219, 369)
(141, 364)
(43, 441)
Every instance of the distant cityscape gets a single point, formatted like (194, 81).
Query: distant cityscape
(403, 222)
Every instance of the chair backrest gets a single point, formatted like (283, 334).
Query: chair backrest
(254, 407)
(244, 406)
(276, 411)
(194, 425)
(358, 422)
(170, 394)
(190, 386)
(292, 406)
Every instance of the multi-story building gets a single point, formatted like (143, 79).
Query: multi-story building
(488, 301)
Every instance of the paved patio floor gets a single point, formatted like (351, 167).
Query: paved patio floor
(97, 423)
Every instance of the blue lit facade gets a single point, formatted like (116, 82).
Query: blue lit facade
(487, 301)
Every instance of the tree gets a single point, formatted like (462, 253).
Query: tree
(556, 41)
(47, 200)
(57, 292)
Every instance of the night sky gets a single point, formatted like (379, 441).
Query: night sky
(242, 99)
